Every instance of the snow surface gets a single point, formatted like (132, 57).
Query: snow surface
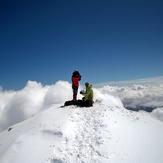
(34, 128)
(101, 133)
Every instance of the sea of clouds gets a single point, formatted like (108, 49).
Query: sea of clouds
(137, 95)
(140, 96)
(16, 106)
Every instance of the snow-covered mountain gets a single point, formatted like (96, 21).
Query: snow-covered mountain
(34, 128)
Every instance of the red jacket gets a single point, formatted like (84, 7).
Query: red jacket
(75, 81)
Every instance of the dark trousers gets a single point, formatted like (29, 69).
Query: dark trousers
(75, 92)
(83, 103)
(80, 103)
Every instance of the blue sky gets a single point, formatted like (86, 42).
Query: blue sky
(105, 40)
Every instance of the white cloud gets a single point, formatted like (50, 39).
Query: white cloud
(142, 95)
(158, 113)
(107, 98)
(137, 95)
(16, 106)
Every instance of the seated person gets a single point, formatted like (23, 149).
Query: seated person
(87, 100)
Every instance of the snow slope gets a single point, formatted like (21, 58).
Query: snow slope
(34, 128)
(100, 134)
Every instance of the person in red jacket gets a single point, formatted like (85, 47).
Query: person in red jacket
(76, 77)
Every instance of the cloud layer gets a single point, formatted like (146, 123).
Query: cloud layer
(137, 95)
(16, 106)
(141, 95)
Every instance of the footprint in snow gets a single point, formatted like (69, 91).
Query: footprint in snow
(56, 161)
(53, 133)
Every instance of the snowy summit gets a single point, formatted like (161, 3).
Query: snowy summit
(36, 129)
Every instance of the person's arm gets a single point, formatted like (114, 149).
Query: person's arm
(83, 92)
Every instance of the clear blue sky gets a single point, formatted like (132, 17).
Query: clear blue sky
(104, 39)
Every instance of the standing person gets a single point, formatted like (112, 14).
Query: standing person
(76, 77)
